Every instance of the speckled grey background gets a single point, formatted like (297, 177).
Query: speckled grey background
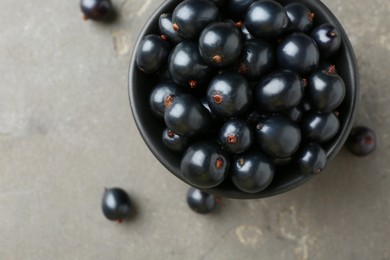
(66, 132)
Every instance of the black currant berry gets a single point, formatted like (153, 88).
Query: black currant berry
(325, 90)
(278, 136)
(116, 204)
(204, 165)
(279, 91)
(311, 159)
(152, 53)
(361, 141)
(257, 59)
(166, 29)
(186, 66)
(266, 19)
(327, 38)
(252, 172)
(161, 96)
(96, 9)
(229, 94)
(186, 116)
(298, 52)
(201, 202)
(235, 136)
(320, 128)
(220, 44)
(191, 16)
(300, 17)
(174, 142)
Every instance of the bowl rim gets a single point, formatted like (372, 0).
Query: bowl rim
(334, 148)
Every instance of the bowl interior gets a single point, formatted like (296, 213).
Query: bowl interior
(286, 178)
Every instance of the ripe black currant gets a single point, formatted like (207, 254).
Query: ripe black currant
(116, 204)
(361, 141)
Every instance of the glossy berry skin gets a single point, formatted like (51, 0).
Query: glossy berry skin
(325, 91)
(238, 8)
(174, 142)
(279, 91)
(252, 172)
(298, 52)
(96, 9)
(300, 17)
(152, 53)
(116, 204)
(186, 66)
(278, 137)
(220, 44)
(166, 29)
(235, 136)
(191, 16)
(311, 159)
(320, 128)
(201, 202)
(186, 116)
(361, 141)
(229, 94)
(327, 38)
(257, 59)
(204, 164)
(266, 19)
(159, 98)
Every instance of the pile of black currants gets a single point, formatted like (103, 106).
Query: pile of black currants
(243, 87)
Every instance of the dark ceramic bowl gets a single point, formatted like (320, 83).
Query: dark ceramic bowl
(140, 86)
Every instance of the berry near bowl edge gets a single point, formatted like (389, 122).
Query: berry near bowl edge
(140, 86)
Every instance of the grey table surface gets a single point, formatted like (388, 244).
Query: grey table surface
(66, 132)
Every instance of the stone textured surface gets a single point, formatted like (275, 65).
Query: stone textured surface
(66, 132)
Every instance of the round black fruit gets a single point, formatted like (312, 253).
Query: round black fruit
(361, 141)
(311, 159)
(166, 29)
(327, 38)
(235, 136)
(96, 9)
(116, 204)
(186, 116)
(229, 94)
(278, 136)
(161, 96)
(320, 128)
(220, 44)
(266, 19)
(174, 142)
(191, 16)
(298, 52)
(186, 65)
(204, 164)
(201, 202)
(257, 59)
(252, 172)
(279, 91)
(300, 17)
(152, 53)
(325, 90)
